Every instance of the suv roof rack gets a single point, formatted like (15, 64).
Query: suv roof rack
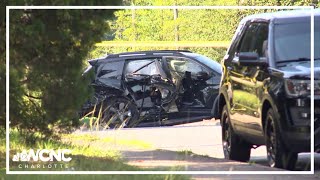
(143, 53)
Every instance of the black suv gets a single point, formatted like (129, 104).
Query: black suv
(264, 96)
(162, 87)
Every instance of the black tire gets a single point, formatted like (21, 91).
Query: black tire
(277, 154)
(234, 148)
(118, 112)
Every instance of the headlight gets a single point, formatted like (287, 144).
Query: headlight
(317, 87)
(298, 87)
(301, 87)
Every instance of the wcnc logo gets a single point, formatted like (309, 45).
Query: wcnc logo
(42, 155)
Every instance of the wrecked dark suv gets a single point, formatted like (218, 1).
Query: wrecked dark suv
(152, 88)
(265, 91)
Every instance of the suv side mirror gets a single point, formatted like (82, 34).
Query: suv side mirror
(251, 59)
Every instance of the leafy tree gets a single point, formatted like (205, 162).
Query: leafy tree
(2, 64)
(47, 49)
(193, 25)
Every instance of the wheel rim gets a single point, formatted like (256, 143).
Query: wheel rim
(117, 115)
(271, 142)
(226, 135)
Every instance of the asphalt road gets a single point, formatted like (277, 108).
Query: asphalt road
(257, 155)
(201, 138)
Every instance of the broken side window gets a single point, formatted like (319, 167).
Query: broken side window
(144, 66)
(110, 73)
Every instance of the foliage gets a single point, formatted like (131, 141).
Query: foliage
(47, 48)
(2, 63)
(84, 158)
(190, 25)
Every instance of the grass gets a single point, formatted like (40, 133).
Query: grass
(87, 139)
(84, 158)
(252, 162)
(185, 152)
(128, 142)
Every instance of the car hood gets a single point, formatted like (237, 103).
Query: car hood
(300, 70)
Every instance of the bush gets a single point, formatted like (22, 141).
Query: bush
(47, 49)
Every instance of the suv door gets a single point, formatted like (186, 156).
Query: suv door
(247, 81)
(195, 92)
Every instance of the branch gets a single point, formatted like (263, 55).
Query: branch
(33, 97)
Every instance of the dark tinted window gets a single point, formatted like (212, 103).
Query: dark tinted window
(261, 40)
(248, 38)
(255, 39)
(235, 41)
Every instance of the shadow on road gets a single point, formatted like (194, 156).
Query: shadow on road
(303, 163)
(187, 161)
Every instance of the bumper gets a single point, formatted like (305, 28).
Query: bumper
(296, 132)
(317, 132)
(298, 139)
(317, 140)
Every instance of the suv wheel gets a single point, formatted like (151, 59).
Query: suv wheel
(277, 154)
(118, 112)
(233, 147)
